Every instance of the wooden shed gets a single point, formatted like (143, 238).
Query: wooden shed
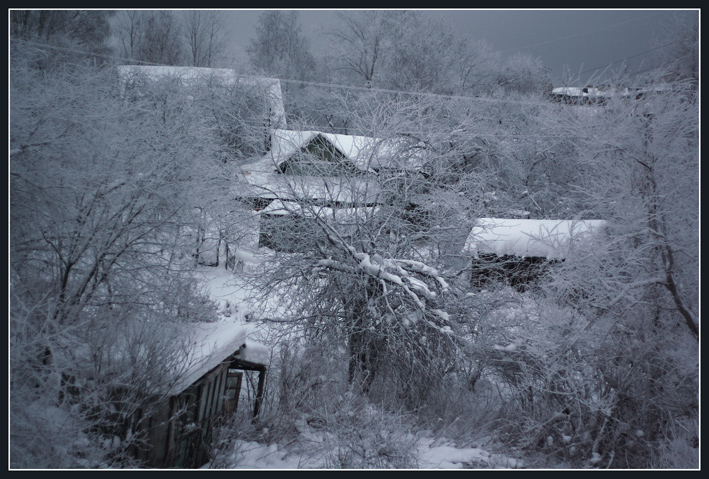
(179, 433)
(517, 252)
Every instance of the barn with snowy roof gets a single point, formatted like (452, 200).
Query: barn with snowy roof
(206, 386)
(517, 252)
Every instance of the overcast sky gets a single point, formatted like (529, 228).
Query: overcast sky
(575, 42)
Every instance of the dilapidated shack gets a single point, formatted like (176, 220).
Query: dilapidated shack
(178, 432)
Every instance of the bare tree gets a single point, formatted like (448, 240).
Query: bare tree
(161, 39)
(90, 29)
(416, 51)
(280, 49)
(361, 39)
(204, 33)
(614, 346)
(366, 258)
(102, 190)
(640, 176)
(75, 35)
(424, 54)
(526, 74)
(149, 36)
(128, 28)
(678, 49)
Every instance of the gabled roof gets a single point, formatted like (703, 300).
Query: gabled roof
(366, 153)
(265, 179)
(552, 239)
(195, 75)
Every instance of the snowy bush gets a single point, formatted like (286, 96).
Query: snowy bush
(594, 393)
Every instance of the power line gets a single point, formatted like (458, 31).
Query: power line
(310, 83)
(304, 82)
(84, 52)
(349, 87)
(412, 93)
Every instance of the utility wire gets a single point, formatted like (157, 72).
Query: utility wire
(84, 52)
(345, 87)
(305, 82)
(628, 58)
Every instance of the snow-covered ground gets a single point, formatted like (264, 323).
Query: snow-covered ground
(230, 294)
(431, 453)
(228, 290)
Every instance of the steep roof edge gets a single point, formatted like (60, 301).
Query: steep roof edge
(210, 345)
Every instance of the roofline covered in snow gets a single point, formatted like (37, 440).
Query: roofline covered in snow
(552, 239)
(271, 86)
(366, 153)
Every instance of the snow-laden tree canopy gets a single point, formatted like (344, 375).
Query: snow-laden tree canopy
(198, 76)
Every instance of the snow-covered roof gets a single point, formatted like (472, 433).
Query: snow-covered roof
(260, 180)
(551, 239)
(590, 92)
(212, 343)
(174, 354)
(196, 75)
(366, 153)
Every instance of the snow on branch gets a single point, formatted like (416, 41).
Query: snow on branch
(412, 286)
(387, 271)
(424, 269)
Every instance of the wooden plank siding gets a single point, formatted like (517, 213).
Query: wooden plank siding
(179, 434)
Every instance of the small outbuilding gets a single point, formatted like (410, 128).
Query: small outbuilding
(517, 252)
(179, 433)
(589, 95)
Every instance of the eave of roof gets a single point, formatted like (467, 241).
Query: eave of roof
(552, 239)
